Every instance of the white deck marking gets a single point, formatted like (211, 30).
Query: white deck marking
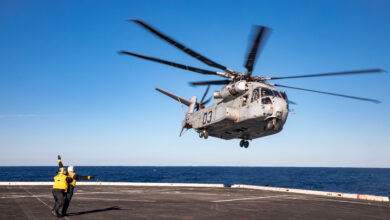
(251, 198)
(41, 200)
(21, 196)
(14, 196)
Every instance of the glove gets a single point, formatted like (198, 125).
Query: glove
(59, 158)
(91, 177)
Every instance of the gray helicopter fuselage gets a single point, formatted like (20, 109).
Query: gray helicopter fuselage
(258, 110)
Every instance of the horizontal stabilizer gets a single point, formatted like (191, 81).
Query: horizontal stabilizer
(175, 97)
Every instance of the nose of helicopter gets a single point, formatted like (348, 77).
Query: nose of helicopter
(280, 108)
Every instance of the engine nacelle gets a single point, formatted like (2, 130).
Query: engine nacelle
(231, 91)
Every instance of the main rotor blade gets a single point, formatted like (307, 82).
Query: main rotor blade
(213, 82)
(292, 102)
(370, 71)
(182, 47)
(329, 93)
(181, 66)
(260, 35)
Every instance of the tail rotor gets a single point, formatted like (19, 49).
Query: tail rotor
(202, 103)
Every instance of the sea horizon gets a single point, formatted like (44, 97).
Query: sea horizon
(374, 181)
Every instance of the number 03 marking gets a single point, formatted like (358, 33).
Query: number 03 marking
(207, 117)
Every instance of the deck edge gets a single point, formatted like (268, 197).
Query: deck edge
(314, 192)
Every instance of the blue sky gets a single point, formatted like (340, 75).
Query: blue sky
(65, 90)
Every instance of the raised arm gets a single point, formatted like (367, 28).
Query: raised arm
(60, 165)
(78, 177)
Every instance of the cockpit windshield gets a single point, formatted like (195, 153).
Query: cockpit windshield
(276, 93)
(266, 92)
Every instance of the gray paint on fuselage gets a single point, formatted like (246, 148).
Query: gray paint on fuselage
(237, 119)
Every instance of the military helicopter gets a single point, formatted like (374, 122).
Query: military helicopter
(248, 106)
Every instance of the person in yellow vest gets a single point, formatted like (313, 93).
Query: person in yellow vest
(74, 176)
(60, 187)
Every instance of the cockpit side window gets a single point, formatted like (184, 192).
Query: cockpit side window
(284, 95)
(255, 95)
(266, 100)
(266, 92)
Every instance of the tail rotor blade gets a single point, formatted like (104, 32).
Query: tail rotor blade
(207, 101)
(205, 93)
(201, 104)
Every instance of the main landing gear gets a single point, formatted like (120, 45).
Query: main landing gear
(244, 143)
(203, 134)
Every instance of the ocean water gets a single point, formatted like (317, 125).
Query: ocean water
(374, 181)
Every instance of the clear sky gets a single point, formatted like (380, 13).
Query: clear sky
(65, 90)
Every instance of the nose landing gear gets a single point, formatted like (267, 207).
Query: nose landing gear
(244, 143)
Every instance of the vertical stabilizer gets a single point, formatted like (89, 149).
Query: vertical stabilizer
(191, 107)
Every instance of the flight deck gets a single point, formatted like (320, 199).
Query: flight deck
(184, 201)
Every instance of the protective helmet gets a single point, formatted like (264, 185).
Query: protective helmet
(70, 168)
(62, 170)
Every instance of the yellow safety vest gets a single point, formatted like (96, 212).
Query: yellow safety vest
(71, 174)
(60, 182)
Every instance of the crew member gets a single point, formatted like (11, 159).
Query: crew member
(60, 187)
(74, 176)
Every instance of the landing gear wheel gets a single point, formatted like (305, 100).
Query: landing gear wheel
(205, 135)
(246, 144)
(242, 143)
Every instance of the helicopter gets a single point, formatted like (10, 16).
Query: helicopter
(248, 106)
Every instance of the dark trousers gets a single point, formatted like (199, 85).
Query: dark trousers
(59, 197)
(68, 197)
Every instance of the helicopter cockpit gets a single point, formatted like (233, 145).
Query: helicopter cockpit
(255, 94)
(266, 95)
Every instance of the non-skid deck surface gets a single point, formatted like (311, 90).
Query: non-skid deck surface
(130, 202)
